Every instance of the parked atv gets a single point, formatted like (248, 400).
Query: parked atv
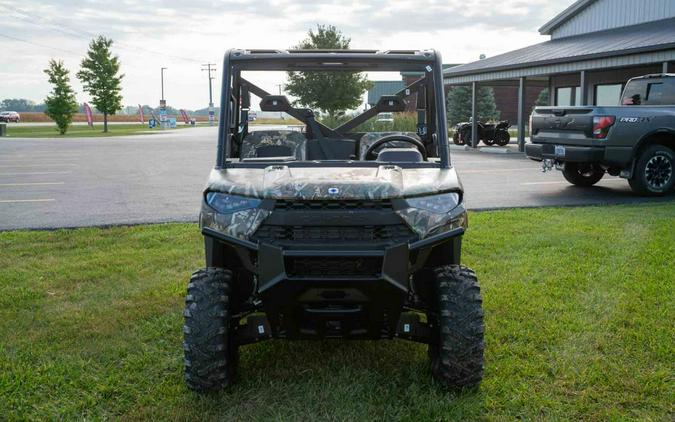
(489, 133)
(332, 233)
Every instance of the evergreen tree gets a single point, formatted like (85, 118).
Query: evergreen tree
(458, 103)
(61, 103)
(542, 99)
(100, 78)
(330, 92)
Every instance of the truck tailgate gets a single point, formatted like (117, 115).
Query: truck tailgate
(564, 125)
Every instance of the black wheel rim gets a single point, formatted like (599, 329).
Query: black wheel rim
(658, 171)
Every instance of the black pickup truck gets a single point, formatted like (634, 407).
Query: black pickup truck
(634, 140)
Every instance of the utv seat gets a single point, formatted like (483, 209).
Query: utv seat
(274, 143)
(370, 138)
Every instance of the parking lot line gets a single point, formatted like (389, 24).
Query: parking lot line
(33, 184)
(561, 182)
(35, 173)
(10, 201)
(37, 165)
(460, 171)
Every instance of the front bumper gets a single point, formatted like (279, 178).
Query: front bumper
(336, 304)
(397, 262)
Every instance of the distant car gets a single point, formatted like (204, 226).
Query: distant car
(10, 116)
(385, 117)
(252, 115)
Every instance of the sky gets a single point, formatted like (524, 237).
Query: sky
(181, 35)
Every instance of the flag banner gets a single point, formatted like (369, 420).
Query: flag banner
(90, 116)
(153, 115)
(140, 113)
(183, 113)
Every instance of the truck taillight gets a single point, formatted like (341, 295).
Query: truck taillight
(601, 125)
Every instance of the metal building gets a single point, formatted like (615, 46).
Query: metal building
(595, 47)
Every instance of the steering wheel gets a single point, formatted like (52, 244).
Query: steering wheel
(370, 152)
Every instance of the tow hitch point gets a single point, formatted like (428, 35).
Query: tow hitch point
(547, 165)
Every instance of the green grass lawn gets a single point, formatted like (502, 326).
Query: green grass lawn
(579, 307)
(79, 131)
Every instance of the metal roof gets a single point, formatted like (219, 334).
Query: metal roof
(648, 37)
(564, 16)
(381, 88)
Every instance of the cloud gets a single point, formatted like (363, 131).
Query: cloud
(181, 34)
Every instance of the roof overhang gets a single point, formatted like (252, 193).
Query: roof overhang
(564, 16)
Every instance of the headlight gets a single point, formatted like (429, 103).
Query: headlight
(228, 204)
(439, 204)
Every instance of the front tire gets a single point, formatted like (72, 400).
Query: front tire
(456, 352)
(653, 175)
(210, 353)
(582, 174)
(502, 138)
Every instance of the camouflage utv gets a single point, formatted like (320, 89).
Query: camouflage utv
(332, 233)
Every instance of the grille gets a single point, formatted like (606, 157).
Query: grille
(332, 205)
(390, 233)
(333, 266)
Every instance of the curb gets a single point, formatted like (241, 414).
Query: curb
(496, 150)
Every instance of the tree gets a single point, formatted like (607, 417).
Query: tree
(61, 104)
(542, 99)
(330, 92)
(17, 104)
(459, 104)
(99, 76)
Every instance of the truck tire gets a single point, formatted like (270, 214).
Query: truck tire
(455, 138)
(582, 174)
(654, 171)
(456, 351)
(210, 353)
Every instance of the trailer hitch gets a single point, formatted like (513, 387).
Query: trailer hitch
(547, 165)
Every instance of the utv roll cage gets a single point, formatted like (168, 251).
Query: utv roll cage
(236, 93)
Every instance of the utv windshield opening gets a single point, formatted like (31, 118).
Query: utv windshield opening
(419, 138)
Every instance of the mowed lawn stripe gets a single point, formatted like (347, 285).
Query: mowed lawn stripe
(578, 303)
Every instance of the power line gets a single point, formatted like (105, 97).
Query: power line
(75, 32)
(37, 44)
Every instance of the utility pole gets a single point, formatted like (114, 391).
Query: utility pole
(207, 67)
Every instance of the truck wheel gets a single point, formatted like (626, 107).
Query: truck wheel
(582, 174)
(457, 349)
(455, 138)
(654, 170)
(210, 353)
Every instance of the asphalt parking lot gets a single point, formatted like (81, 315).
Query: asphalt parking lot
(49, 183)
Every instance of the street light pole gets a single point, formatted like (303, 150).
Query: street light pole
(211, 109)
(162, 71)
(162, 104)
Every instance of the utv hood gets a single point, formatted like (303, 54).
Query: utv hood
(326, 183)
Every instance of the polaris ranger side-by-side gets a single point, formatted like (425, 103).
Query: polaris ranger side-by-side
(635, 140)
(331, 232)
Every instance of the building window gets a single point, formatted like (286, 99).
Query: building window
(563, 96)
(568, 96)
(608, 94)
